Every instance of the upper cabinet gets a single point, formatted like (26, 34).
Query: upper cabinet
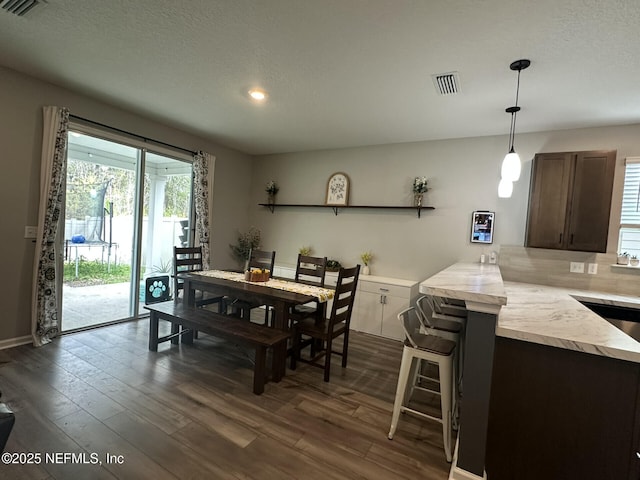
(570, 200)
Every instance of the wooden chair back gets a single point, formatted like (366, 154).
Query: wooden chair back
(262, 259)
(185, 259)
(344, 298)
(311, 270)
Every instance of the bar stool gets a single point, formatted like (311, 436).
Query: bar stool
(442, 325)
(437, 350)
(450, 328)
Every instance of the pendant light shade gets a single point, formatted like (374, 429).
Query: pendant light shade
(511, 166)
(505, 188)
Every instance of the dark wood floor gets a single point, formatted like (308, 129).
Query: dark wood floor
(187, 412)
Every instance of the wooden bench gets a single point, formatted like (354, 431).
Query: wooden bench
(242, 331)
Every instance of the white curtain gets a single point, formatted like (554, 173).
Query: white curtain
(201, 165)
(45, 298)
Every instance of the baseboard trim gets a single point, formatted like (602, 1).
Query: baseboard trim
(15, 342)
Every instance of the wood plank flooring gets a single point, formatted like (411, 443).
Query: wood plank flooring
(187, 412)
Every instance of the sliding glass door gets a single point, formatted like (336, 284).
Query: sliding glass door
(125, 209)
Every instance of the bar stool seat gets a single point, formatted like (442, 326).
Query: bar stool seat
(420, 347)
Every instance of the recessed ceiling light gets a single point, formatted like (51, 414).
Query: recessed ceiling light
(258, 94)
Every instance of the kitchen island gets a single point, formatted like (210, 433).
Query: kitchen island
(560, 382)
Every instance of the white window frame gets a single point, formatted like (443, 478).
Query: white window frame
(630, 196)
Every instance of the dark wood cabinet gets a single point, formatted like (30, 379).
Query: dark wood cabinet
(561, 414)
(570, 200)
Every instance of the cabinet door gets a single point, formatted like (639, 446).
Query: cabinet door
(590, 203)
(548, 200)
(367, 313)
(391, 327)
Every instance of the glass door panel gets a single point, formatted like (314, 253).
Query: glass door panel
(99, 231)
(166, 214)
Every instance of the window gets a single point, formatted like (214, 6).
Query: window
(629, 240)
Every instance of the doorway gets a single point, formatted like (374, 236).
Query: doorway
(125, 209)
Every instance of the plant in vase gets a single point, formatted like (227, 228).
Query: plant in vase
(366, 258)
(247, 241)
(633, 261)
(623, 258)
(419, 188)
(272, 189)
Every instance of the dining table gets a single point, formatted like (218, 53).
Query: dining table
(278, 293)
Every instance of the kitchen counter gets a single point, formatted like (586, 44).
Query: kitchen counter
(536, 313)
(544, 332)
(554, 316)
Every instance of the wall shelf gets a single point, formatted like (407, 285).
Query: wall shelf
(272, 207)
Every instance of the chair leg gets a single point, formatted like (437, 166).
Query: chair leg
(295, 349)
(412, 378)
(446, 391)
(345, 348)
(403, 376)
(327, 359)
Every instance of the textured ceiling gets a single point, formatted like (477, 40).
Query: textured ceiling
(340, 73)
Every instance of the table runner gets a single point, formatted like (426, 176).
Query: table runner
(322, 294)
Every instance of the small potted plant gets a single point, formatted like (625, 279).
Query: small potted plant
(246, 242)
(419, 188)
(633, 261)
(272, 189)
(623, 258)
(366, 258)
(333, 266)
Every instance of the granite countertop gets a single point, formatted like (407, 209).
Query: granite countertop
(554, 316)
(473, 282)
(537, 313)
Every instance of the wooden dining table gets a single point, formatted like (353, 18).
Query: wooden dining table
(280, 294)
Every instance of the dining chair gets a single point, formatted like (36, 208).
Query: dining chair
(310, 271)
(189, 259)
(327, 330)
(264, 260)
(420, 347)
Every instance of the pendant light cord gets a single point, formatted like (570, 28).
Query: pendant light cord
(512, 131)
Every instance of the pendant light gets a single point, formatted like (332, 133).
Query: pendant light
(511, 164)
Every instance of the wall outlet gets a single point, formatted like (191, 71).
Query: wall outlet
(592, 268)
(576, 267)
(30, 232)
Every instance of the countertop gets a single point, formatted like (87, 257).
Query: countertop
(537, 313)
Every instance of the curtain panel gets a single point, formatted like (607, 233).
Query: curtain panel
(201, 165)
(45, 297)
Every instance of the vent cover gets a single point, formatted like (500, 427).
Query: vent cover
(447, 83)
(18, 7)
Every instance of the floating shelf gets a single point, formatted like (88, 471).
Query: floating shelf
(335, 208)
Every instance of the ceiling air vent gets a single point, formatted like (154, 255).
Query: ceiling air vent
(18, 7)
(447, 83)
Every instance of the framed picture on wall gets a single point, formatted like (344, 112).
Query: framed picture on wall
(338, 190)
(482, 225)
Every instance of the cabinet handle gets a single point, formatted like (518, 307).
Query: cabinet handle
(560, 241)
(383, 299)
(384, 289)
(571, 240)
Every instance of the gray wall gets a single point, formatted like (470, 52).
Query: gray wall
(22, 98)
(463, 176)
